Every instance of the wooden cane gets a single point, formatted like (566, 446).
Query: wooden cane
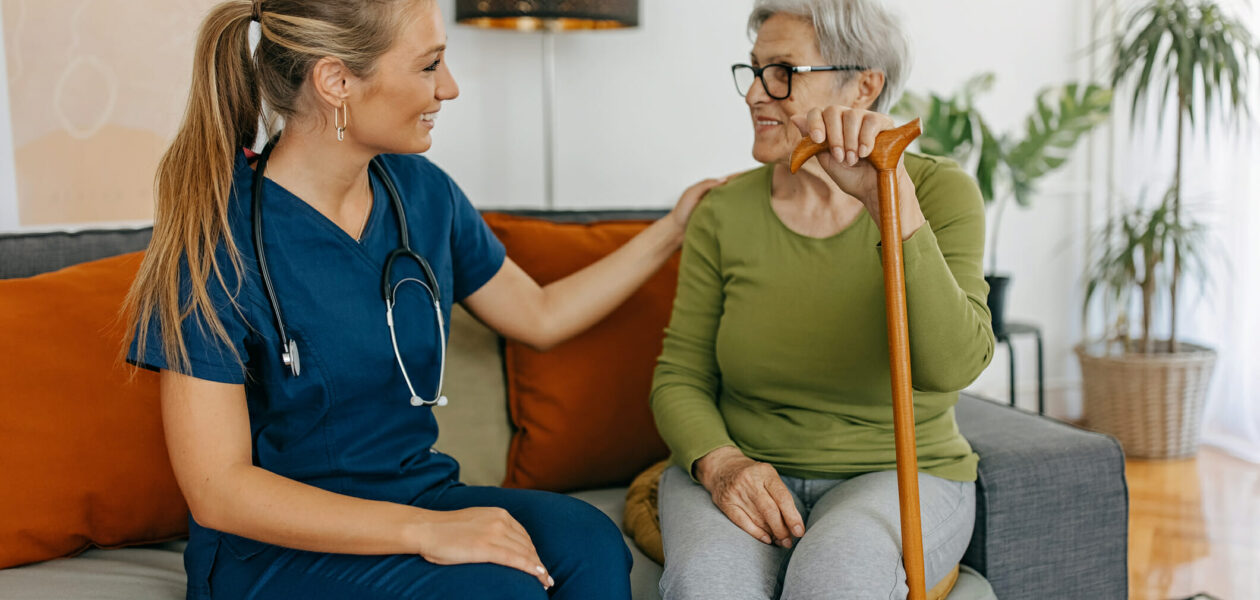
(889, 145)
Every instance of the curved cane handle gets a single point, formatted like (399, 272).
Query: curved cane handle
(889, 145)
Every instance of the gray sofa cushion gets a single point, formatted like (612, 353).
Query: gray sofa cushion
(1051, 506)
(146, 572)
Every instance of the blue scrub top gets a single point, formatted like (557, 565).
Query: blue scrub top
(346, 423)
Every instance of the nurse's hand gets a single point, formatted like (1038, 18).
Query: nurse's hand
(688, 202)
(480, 535)
(751, 495)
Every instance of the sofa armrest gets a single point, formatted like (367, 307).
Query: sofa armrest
(1052, 506)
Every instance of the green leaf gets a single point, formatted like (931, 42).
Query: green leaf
(1062, 117)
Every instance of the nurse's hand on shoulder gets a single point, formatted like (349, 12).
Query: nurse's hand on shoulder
(751, 495)
(480, 535)
(689, 200)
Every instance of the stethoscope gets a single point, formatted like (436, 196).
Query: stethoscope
(289, 347)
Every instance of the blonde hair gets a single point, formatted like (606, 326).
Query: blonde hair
(230, 89)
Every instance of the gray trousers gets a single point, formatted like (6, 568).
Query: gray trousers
(851, 548)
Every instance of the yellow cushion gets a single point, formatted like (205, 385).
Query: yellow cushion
(642, 519)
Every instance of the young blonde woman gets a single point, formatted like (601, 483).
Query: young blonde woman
(298, 415)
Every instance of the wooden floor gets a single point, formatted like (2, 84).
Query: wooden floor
(1194, 527)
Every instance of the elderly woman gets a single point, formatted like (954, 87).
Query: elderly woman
(773, 387)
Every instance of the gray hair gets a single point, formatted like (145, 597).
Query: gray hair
(850, 32)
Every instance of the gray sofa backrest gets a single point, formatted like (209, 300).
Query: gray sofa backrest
(27, 254)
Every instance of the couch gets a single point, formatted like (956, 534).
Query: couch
(1052, 503)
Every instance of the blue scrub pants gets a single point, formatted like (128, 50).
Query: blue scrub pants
(582, 549)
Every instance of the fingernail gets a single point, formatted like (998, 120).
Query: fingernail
(785, 543)
(765, 539)
(550, 581)
(798, 530)
(863, 150)
(541, 570)
(838, 153)
(818, 136)
(853, 158)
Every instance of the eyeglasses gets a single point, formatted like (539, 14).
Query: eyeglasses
(776, 79)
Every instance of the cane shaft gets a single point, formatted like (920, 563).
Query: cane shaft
(903, 393)
(886, 155)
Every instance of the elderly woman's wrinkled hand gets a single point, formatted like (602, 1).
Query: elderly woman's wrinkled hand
(751, 495)
(850, 133)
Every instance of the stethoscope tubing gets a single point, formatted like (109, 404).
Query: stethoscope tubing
(289, 348)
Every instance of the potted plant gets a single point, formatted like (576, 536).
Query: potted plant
(1147, 395)
(1006, 167)
(1150, 393)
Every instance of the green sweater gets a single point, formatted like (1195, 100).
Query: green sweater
(778, 346)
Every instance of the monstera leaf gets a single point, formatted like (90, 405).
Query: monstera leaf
(954, 128)
(1062, 117)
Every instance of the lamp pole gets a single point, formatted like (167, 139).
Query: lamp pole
(549, 117)
(549, 17)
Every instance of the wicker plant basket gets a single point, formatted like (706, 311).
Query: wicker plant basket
(1152, 403)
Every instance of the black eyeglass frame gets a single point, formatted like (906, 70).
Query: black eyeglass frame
(758, 73)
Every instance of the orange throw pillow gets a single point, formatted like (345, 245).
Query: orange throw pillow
(581, 409)
(83, 459)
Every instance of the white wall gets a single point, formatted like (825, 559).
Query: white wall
(641, 114)
(8, 176)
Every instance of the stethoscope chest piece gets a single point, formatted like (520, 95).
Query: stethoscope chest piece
(291, 358)
(418, 401)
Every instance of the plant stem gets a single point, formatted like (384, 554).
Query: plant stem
(997, 226)
(1176, 269)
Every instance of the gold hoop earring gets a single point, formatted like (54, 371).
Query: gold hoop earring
(339, 122)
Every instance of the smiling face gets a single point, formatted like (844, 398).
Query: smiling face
(791, 40)
(395, 108)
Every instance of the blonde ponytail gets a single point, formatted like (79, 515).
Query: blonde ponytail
(225, 104)
(194, 180)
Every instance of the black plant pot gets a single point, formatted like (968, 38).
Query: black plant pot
(997, 301)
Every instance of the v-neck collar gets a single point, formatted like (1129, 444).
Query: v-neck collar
(273, 192)
(368, 226)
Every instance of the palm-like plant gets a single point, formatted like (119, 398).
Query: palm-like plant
(1190, 51)
(1134, 249)
(1007, 167)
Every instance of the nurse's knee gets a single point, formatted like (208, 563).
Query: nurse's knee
(489, 581)
(591, 533)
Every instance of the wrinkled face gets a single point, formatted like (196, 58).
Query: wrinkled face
(790, 40)
(397, 110)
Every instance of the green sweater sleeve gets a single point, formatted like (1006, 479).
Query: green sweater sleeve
(687, 380)
(951, 336)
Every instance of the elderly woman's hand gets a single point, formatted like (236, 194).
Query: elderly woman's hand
(751, 495)
(851, 132)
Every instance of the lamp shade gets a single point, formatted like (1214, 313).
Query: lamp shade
(556, 15)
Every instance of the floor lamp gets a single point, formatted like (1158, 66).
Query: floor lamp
(549, 17)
